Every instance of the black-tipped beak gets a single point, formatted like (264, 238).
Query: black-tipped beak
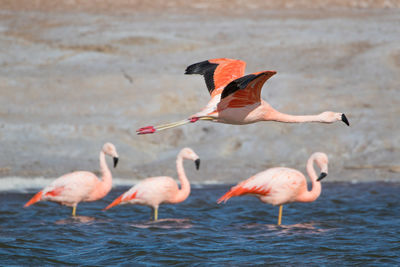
(197, 162)
(322, 176)
(115, 161)
(344, 119)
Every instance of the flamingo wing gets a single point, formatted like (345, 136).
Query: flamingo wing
(245, 90)
(125, 197)
(218, 72)
(72, 187)
(55, 191)
(151, 192)
(36, 198)
(253, 185)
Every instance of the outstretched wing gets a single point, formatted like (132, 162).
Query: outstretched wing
(218, 72)
(245, 90)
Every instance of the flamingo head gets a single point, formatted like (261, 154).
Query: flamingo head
(329, 117)
(188, 153)
(109, 149)
(322, 161)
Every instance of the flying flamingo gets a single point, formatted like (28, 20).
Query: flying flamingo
(80, 186)
(278, 186)
(236, 99)
(154, 191)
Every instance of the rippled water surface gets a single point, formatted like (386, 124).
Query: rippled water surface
(349, 224)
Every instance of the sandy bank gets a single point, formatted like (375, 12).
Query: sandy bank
(72, 80)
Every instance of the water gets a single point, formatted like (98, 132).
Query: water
(349, 224)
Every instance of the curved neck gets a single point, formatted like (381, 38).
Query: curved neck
(105, 183)
(184, 192)
(272, 114)
(309, 196)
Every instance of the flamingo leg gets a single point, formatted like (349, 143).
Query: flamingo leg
(280, 215)
(74, 211)
(156, 214)
(171, 125)
(153, 129)
(179, 123)
(206, 118)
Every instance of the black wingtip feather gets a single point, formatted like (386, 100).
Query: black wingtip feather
(206, 69)
(200, 67)
(237, 84)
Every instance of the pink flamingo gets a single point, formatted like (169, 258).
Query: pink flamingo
(278, 186)
(236, 99)
(154, 191)
(80, 186)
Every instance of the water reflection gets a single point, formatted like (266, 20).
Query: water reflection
(170, 223)
(76, 219)
(308, 228)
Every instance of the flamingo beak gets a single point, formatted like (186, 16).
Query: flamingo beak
(322, 176)
(115, 159)
(197, 162)
(344, 119)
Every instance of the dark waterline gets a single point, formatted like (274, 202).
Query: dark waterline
(349, 224)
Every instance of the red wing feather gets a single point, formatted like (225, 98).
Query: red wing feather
(218, 72)
(227, 71)
(120, 199)
(37, 197)
(55, 192)
(246, 90)
(240, 190)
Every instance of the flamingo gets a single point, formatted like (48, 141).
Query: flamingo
(80, 186)
(236, 98)
(154, 191)
(279, 186)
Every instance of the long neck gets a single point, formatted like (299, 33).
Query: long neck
(184, 192)
(105, 184)
(272, 114)
(309, 196)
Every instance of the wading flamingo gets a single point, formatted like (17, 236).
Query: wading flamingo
(80, 186)
(236, 99)
(278, 186)
(154, 191)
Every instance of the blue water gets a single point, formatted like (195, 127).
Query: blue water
(350, 224)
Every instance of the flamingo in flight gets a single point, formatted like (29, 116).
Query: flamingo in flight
(80, 186)
(279, 186)
(236, 98)
(154, 191)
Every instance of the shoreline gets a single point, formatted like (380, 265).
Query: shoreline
(33, 184)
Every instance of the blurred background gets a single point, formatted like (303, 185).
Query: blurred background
(77, 74)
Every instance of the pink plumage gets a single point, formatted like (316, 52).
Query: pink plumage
(236, 98)
(80, 186)
(278, 186)
(154, 191)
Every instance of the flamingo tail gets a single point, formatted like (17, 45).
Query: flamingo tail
(240, 190)
(153, 129)
(233, 192)
(116, 202)
(37, 197)
(119, 200)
